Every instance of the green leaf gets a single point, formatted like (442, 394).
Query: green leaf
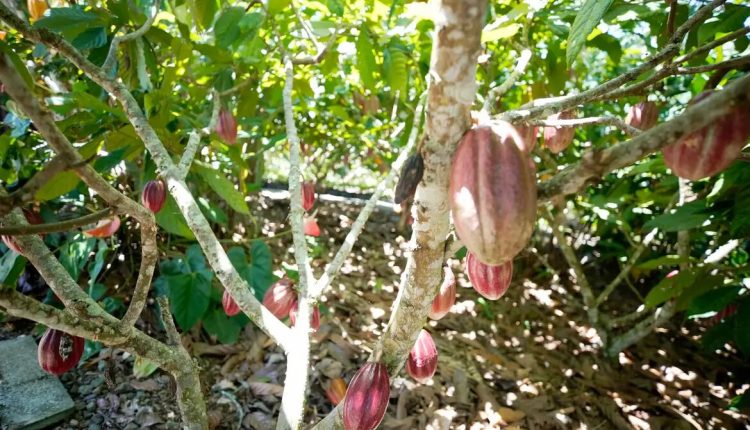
(143, 368)
(261, 274)
(336, 7)
(95, 267)
(70, 21)
(703, 282)
(667, 260)
(686, 217)
(74, 255)
(91, 38)
(18, 64)
(397, 73)
(503, 32)
(741, 324)
(223, 187)
(366, 64)
(170, 219)
(276, 6)
(718, 335)
(712, 301)
(226, 29)
(608, 44)
(586, 21)
(189, 297)
(740, 402)
(226, 329)
(669, 287)
(204, 12)
(61, 184)
(212, 212)
(11, 266)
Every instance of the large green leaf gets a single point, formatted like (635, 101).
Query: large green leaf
(11, 266)
(204, 12)
(74, 255)
(669, 287)
(226, 329)
(227, 28)
(686, 217)
(170, 219)
(586, 21)
(366, 63)
(223, 187)
(712, 301)
(69, 21)
(741, 324)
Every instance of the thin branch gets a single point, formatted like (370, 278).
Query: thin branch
(351, 238)
(518, 70)
(54, 227)
(713, 44)
(322, 51)
(183, 167)
(305, 25)
(109, 62)
(728, 64)
(597, 120)
(173, 336)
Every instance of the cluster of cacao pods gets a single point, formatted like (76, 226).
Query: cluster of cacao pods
(59, 352)
(226, 126)
(32, 218)
(367, 397)
(154, 195)
(710, 150)
(558, 138)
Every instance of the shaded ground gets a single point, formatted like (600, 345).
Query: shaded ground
(527, 361)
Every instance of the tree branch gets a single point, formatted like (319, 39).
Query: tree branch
(518, 70)
(109, 62)
(597, 120)
(173, 336)
(54, 227)
(728, 64)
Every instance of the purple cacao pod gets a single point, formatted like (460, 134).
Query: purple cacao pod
(489, 281)
(314, 320)
(558, 138)
(411, 175)
(423, 358)
(308, 195)
(643, 115)
(445, 297)
(226, 127)
(154, 195)
(59, 352)
(528, 135)
(280, 298)
(367, 397)
(231, 308)
(711, 149)
(493, 193)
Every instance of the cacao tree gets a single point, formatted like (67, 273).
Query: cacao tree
(166, 117)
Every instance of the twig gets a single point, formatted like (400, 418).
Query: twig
(54, 227)
(183, 167)
(321, 51)
(109, 62)
(728, 64)
(713, 44)
(173, 336)
(597, 120)
(518, 70)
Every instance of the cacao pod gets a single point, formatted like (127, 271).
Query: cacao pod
(489, 281)
(445, 297)
(314, 320)
(36, 8)
(308, 195)
(59, 352)
(411, 175)
(643, 115)
(154, 195)
(104, 228)
(226, 127)
(280, 298)
(367, 397)
(493, 193)
(423, 358)
(558, 138)
(528, 135)
(231, 308)
(336, 391)
(311, 227)
(711, 149)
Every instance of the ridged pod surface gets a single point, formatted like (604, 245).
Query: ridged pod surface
(643, 115)
(154, 195)
(711, 149)
(423, 358)
(226, 127)
(231, 308)
(445, 297)
(104, 228)
(314, 319)
(336, 391)
(493, 193)
(308, 195)
(558, 138)
(280, 298)
(489, 281)
(59, 352)
(367, 397)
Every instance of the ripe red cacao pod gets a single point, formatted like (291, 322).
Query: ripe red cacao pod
(308, 195)
(154, 195)
(336, 391)
(104, 228)
(311, 227)
(445, 297)
(280, 298)
(711, 149)
(493, 193)
(411, 175)
(558, 138)
(643, 115)
(528, 135)
(231, 308)
(314, 320)
(367, 397)
(59, 352)
(489, 281)
(226, 127)
(423, 358)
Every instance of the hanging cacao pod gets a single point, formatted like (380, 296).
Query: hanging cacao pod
(37, 8)
(489, 281)
(231, 308)
(226, 127)
(314, 320)
(643, 115)
(367, 397)
(336, 391)
(493, 193)
(154, 195)
(311, 227)
(104, 228)
(558, 138)
(528, 135)
(411, 175)
(308, 195)
(59, 352)
(711, 149)
(445, 297)
(280, 298)
(423, 358)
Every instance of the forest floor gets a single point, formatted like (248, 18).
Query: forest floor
(526, 361)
